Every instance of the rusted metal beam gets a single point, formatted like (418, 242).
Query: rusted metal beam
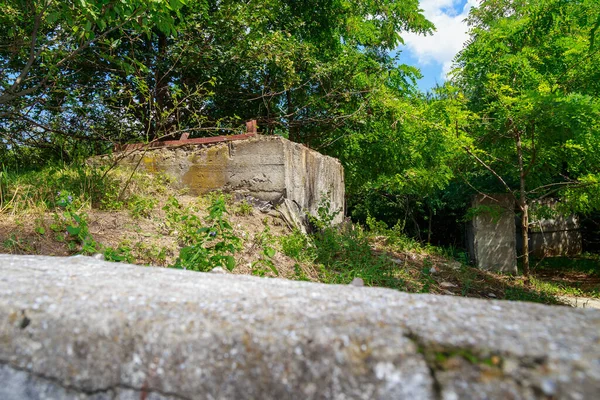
(251, 131)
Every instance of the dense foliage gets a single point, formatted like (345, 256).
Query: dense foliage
(530, 73)
(104, 70)
(521, 114)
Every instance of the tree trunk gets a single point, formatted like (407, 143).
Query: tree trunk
(429, 226)
(525, 228)
(293, 129)
(523, 204)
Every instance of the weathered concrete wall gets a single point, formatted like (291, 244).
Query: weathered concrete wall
(555, 244)
(557, 236)
(82, 328)
(266, 167)
(492, 233)
(311, 177)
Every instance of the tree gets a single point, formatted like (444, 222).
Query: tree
(43, 47)
(301, 73)
(103, 70)
(531, 73)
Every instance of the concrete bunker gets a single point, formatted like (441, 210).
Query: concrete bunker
(493, 241)
(269, 168)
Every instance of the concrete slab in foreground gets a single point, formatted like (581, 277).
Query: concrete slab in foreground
(82, 328)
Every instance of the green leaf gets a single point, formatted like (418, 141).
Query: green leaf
(269, 252)
(52, 17)
(272, 266)
(230, 262)
(73, 230)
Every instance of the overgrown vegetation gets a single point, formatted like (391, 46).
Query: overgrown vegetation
(519, 115)
(207, 247)
(153, 224)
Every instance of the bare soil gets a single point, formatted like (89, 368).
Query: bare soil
(146, 237)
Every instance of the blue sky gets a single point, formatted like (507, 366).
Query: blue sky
(433, 54)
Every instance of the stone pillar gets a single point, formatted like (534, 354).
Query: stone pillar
(492, 233)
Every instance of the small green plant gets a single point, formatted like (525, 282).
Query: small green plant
(466, 286)
(39, 226)
(244, 208)
(426, 279)
(182, 220)
(325, 214)
(441, 357)
(299, 274)
(162, 182)
(150, 253)
(4, 194)
(212, 246)
(16, 245)
(265, 263)
(121, 254)
(376, 227)
(111, 199)
(172, 210)
(219, 195)
(141, 206)
(72, 226)
(298, 246)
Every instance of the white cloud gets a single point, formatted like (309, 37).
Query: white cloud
(449, 37)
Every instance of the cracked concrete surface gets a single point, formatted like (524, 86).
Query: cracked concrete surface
(20, 384)
(82, 328)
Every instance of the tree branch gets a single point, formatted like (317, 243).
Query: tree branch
(32, 53)
(5, 98)
(480, 161)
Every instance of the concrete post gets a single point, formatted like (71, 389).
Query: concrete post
(492, 233)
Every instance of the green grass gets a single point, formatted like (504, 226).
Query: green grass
(588, 264)
(375, 253)
(575, 276)
(40, 189)
(561, 289)
(521, 293)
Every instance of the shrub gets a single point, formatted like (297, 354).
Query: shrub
(141, 206)
(211, 246)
